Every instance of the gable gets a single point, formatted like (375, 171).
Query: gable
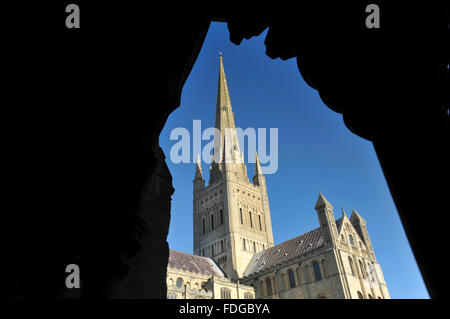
(346, 228)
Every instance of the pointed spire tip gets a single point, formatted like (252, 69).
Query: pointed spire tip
(322, 201)
(258, 170)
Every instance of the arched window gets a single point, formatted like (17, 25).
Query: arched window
(363, 273)
(370, 296)
(283, 282)
(324, 268)
(243, 240)
(221, 217)
(250, 216)
(317, 272)
(307, 274)
(269, 286)
(203, 225)
(291, 278)
(254, 247)
(240, 214)
(263, 291)
(342, 238)
(225, 293)
(360, 296)
(299, 276)
(275, 284)
(179, 282)
(260, 225)
(350, 237)
(360, 244)
(350, 261)
(212, 221)
(221, 245)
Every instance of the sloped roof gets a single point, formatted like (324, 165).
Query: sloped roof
(198, 264)
(285, 251)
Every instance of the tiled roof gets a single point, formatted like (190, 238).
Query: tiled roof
(198, 264)
(285, 251)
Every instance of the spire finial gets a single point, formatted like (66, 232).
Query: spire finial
(198, 168)
(322, 201)
(258, 170)
(220, 56)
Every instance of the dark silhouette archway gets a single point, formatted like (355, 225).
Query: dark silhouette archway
(84, 109)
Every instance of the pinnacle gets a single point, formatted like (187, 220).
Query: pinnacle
(322, 201)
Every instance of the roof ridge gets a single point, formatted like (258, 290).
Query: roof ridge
(182, 252)
(190, 262)
(285, 251)
(304, 234)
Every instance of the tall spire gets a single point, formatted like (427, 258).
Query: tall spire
(224, 113)
(226, 130)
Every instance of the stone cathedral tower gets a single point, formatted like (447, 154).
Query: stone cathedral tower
(231, 215)
(234, 252)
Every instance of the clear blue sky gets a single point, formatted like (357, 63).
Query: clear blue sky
(316, 151)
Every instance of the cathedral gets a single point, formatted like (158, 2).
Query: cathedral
(234, 252)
